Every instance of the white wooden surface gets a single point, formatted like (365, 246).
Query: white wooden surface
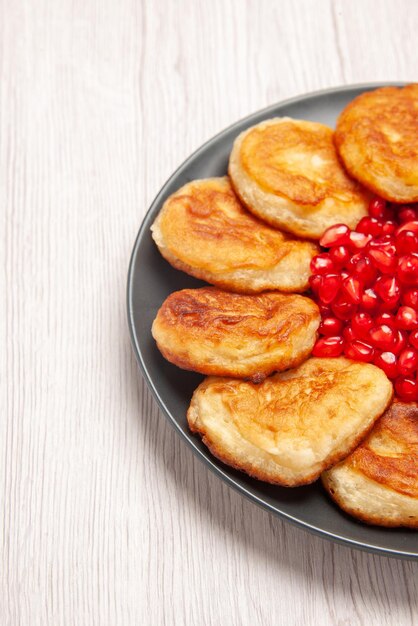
(107, 517)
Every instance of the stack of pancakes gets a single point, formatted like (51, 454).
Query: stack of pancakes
(267, 407)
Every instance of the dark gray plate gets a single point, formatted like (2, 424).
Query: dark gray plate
(150, 281)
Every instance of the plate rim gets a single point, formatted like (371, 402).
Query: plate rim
(217, 470)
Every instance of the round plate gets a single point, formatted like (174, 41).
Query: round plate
(151, 279)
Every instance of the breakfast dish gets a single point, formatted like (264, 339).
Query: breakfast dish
(287, 172)
(204, 230)
(378, 482)
(381, 250)
(295, 424)
(228, 334)
(377, 139)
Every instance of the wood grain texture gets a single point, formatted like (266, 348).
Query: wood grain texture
(107, 518)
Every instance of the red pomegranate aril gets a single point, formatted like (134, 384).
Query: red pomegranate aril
(329, 288)
(406, 389)
(314, 281)
(406, 318)
(408, 269)
(412, 226)
(358, 241)
(387, 287)
(336, 235)
(377, 208)
(359, 351)
(325, 310)
(343, 308)
(388, 363)
(407, 214)
(407, 361)
(385, 318)
(383, 260)
(370, 226)
(413, 339)
(406, 242)
(365, 271)
(340, 255)
(322, 264)
(410, 298)
(401, 340)
(328, 346)
(348, 334)
(361, 324)
(389, 227)
(330, 326)
(352, 288)
(369, 300)
(382, 337)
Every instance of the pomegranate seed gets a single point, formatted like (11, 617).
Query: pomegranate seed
(340, 255)
(408, 269)
(328, 347)
(330, 326)
(388, 363)
(343, 308)
(325, 310)
(384, 260)
(386, 242)
(400, 341)
(387, 287)
(406, 389)
(369, 300)
(365, 271)
(352, 288)
(412, 226)
(382, 337)
(407, 361)
(370, 226)
(359, 351)
(385, 318)
(336, 235)
(361, 324)
(413, 339)
(410, 298)
(377, 208)
(348, 334)
(322, 264)
(314, 282)
(407, 214)
(406, 242)
(407, 318)
(389, 227)
(329, 288)
(358, 241)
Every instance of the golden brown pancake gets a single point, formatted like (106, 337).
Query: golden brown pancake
(228, 334)
(378, 482)
(292, 426)
(377, 138)
(287, 172)
(204, 230)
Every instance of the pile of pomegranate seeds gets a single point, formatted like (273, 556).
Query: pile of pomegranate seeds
(366, 287)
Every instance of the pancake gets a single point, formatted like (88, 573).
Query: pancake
(295, 424)
(377, 138)
(227, 334)
(378, 482)
(204, 231)
(287, 172)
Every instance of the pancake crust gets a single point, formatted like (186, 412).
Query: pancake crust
(227, 334)
(291, 427)
(377, 138)
(378, 482)
(204, 231)
(287, 172)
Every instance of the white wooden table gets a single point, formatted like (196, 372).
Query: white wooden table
(108, 519)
